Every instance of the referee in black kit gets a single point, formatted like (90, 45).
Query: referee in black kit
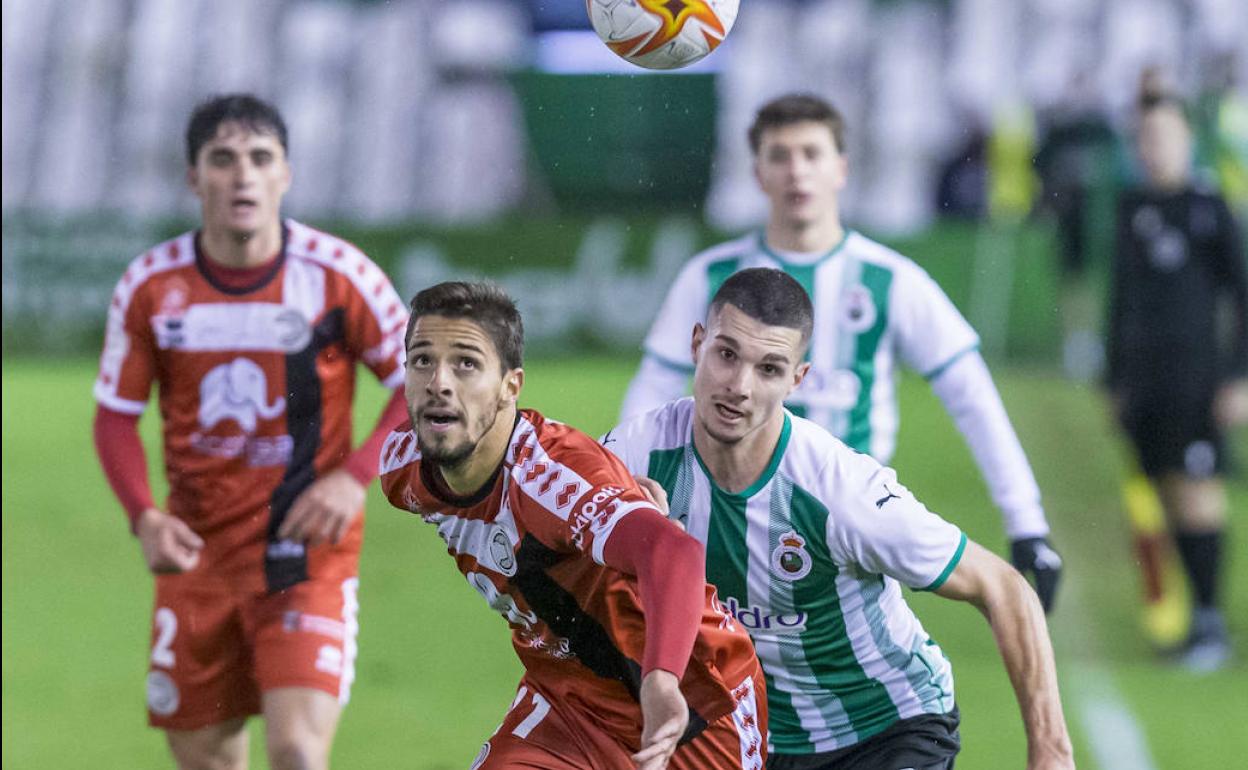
(1178, 376)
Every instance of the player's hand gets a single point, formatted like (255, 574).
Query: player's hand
(1230, 405)
(665, 715)
(169, 545)
(654, 491)
(325, 510)
(1034, 555)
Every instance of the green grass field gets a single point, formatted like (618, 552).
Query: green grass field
(436, 672)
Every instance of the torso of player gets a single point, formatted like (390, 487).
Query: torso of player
(844, 655)
(864, 297)
(531, 545)
(255, 384)
(1170, 280)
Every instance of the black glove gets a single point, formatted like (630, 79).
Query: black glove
(1035, 555)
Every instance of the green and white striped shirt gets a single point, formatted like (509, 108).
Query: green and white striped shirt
(810, 560)
(871, 305)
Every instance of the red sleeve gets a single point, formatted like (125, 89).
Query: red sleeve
(362, 463)
(121, 454)
(671, 577)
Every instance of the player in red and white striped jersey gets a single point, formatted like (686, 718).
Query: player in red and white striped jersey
(252, 328)
(629, 657)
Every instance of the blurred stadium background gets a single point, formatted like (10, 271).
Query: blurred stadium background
(499, 138)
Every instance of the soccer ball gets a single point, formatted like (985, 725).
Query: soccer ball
(662, 34)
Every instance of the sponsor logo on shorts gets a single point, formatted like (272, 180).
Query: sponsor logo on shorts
(295, 621)
(163, 697)
(285, 549)
(758, 619)
(790, 561)
(329, 660)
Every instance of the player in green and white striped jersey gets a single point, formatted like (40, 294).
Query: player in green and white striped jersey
(873, 306)
(809, 542)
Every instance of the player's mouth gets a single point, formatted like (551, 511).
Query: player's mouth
(439, 420)
(798, 198)
(243, 205)
(728, 413)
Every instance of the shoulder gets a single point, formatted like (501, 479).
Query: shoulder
(722, 253)
(876, 254)
(331, 252)
(174, 254)
(349, 266)
(822, 464)
(666, 427)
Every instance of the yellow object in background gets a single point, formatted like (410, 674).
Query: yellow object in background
(1166, 611)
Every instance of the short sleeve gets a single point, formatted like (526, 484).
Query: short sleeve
(686, 303)
(930, 331)
(128, 362)
(376, 319)
(880, 526)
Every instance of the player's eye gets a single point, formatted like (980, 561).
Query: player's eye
(220, 158)
(770, 369)
(468, 363)
(261, 158)
(419, 361)
(727, 354)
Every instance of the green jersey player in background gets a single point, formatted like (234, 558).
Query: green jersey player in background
(872, 305)
(809, 543)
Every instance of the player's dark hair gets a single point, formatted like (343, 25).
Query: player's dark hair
(769, 296)
(252, 113)
(484, 304)
(797, 108)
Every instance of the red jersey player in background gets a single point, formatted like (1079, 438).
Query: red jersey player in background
(629, 659)
(252, 327)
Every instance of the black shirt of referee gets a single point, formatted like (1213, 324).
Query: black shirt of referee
(1178, 258)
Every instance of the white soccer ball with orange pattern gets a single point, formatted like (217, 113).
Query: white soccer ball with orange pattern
(662, 34)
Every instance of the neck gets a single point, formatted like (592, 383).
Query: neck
(808, 238)
(466, 477)
(234, 250)
(736, 466)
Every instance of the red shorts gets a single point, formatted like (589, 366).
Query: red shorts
(544, 730)
(215, 651)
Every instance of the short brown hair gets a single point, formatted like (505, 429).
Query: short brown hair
(797, 108)
(486, 305)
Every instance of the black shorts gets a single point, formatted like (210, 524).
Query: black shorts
(1177, 435)
(927, 742)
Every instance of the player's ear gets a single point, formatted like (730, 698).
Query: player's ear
(695, 345)
(192, 178)
(513, 383)
(799, 374)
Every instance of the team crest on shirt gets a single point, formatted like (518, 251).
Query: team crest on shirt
(501, 552)
(790, 561)
(858, 311)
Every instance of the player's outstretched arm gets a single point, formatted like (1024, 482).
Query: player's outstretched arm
(1017, 621)
(971, 398)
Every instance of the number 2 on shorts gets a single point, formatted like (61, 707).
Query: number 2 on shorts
(166, 629)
